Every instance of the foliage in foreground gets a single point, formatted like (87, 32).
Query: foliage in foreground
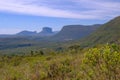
(99, 63)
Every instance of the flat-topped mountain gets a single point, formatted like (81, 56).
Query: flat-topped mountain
(72, 32)
(47, 31)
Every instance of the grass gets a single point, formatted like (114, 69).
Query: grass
(99, 63)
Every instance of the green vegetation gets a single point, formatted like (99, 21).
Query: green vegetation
(87, 59)
(99, 63)
(107, 33)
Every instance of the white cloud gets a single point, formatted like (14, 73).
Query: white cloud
(83, 9)
(102, 8)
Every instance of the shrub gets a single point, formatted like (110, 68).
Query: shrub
(102, 63)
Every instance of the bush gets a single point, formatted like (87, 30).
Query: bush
(102, 63)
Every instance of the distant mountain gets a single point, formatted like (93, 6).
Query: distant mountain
(73, 32)
(5, 35)
(46, 31)
(107, 33)
(26, 33)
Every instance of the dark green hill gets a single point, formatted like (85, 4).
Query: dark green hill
(107, 33)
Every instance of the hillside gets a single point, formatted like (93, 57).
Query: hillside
(73, 32)
(107, 33)
(97, 63)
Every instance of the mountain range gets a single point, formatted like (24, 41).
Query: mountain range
(69, 32)
(46, 31)
(83, 35)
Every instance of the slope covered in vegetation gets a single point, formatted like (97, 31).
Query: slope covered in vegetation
(107, 33)
(99, 63)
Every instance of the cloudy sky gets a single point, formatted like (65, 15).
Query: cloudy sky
(17, 15)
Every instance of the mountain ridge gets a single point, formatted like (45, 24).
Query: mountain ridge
(72, 32)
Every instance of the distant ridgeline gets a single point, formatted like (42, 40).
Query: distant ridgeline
(45, 38)
(83, 35)
(46, 31)
(74, 32)
(69, 32)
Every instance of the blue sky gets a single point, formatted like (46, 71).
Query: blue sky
(18, 15)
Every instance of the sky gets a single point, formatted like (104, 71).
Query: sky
(33, 15)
